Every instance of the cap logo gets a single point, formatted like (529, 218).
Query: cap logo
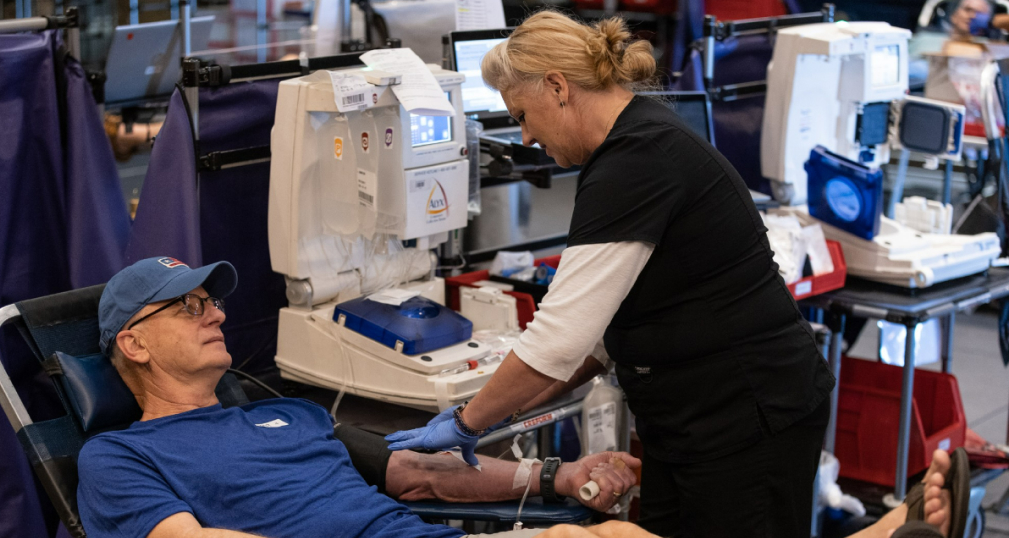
(171, 263)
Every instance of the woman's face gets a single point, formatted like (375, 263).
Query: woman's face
(545, 122)
(966, 12)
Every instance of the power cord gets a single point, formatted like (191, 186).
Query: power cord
(256, 382)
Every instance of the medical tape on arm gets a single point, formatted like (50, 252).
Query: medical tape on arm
(523, 474)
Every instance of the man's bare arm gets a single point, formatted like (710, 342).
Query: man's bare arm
(412, 476)
(184, 525)
(610, 529)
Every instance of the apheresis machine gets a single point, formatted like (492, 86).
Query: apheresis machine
(355, 176)
(836, 105)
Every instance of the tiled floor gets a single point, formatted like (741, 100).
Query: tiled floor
(984, 389)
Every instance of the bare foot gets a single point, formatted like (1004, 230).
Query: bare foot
(937, 503)
(937, 500)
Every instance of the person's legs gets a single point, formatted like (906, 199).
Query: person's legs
(762, 491)
(660, 498)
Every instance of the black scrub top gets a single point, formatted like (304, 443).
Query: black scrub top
(709, 343)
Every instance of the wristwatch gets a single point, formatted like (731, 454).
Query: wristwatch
(547, 475)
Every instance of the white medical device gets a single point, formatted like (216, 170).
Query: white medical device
(830, 84)
(842, 86)
(346, 189)
(901, 256)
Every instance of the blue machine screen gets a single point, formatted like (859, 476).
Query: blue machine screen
(426, 130)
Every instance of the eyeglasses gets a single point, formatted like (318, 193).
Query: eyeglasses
(192, 302)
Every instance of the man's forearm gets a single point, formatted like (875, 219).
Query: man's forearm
(185, 525)
(412, 476)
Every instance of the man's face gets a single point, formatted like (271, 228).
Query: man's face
(184, 345)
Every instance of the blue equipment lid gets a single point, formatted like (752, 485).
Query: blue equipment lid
(421, 324)
(844, 193)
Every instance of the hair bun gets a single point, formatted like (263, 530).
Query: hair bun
(594, 56)
(617, 60)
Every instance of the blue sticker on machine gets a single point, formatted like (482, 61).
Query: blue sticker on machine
(844, 193)
(421, 324)
(843, 198)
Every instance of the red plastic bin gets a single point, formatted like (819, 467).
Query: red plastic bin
(868, 419)
(815, 285)
(523, 301)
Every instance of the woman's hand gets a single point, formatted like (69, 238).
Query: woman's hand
(441, 435)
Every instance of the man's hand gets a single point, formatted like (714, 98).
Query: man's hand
(438, 436)
(612, 471)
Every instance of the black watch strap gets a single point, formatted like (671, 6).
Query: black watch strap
(547, 475)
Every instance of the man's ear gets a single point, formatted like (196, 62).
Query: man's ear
(557, 84)
(133, 346)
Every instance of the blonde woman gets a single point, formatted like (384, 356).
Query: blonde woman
(669, 275)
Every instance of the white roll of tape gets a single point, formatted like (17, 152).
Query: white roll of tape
(589, 490)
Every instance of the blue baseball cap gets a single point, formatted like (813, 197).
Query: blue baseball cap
(153, 280)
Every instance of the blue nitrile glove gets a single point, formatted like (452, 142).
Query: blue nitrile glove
(441, 436)
(449, 414)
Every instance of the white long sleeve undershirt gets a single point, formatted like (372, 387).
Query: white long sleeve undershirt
(591, 283)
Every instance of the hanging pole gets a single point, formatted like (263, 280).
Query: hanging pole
(187, 29)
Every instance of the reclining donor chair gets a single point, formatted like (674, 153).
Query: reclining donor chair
(62, 332)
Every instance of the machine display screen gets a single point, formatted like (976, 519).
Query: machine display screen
(476, 96)
(425, 130)
(885, 65)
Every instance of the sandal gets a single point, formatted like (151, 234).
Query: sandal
(957, 481)
(916, 529)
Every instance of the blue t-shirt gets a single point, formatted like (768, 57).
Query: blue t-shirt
(270, 468)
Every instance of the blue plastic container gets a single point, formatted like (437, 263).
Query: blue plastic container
(421, 324)
(844, 193)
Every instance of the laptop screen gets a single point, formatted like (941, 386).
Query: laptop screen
(693, 108)
(468, 50)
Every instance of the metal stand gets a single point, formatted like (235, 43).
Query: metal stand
(947, 182)
(947, 342)
(898, 183)
(262, 31)
(187, 29)
(834, 360)
(70, 20)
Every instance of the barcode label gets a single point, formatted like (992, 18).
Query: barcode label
(367, 187)
(349, 91)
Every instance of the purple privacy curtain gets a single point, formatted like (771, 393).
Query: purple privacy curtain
(233, 211)
(166, 223)
(63, 224)
(738, 123)
(98, 222)
(231, 204)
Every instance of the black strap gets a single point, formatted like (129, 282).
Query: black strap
(52, 366)
(547, 475)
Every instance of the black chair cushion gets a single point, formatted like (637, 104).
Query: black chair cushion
(97, 396)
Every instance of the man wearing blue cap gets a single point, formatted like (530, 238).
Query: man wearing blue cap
(270, 468)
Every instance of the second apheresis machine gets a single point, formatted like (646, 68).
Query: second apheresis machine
(836, 104)
(354, 176)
